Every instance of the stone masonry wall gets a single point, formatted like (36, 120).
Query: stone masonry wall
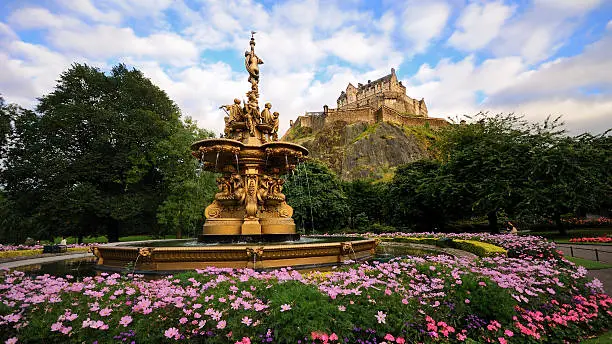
(386, 114)
(351, 115)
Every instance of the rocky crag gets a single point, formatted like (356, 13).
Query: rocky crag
(364, 150)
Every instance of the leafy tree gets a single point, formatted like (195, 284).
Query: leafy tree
(189, 190)
(317, 198)
(365, 199)
(488, 160)
(96, 159)
(421, 196)
(568, 174)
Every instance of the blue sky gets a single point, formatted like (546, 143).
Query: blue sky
(534, 57)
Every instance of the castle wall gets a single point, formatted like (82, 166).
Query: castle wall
(386, 114)
(350, 115)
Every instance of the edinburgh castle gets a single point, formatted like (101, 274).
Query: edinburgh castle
(382, 100)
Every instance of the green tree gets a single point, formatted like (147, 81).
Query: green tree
(317, 198)
(423, 197)
(365, 199)
(567, 175)
(96, 157)
(489, 161)
(189, 190)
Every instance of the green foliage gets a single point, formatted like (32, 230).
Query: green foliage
(364, 199)
(103, 152)
(421, 196)
(317, 198)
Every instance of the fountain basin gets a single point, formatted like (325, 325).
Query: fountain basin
(254, 256)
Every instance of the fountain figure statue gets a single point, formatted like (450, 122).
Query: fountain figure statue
(250, 205)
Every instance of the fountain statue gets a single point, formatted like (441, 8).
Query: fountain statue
(250, 210)
(250, 205)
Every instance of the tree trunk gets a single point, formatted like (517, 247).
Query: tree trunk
(560, 227)
(493, 227)
(113, 231)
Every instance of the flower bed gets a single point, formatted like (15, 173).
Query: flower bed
(596, 240)
(433, 299)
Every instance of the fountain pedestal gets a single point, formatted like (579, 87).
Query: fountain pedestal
(250, 205)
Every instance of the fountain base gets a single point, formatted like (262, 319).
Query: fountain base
(253, 256)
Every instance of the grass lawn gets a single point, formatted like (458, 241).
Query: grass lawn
(573, 233)
(605, 338)
(589, 264)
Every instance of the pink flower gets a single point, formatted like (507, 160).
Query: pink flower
(285, 308)
(341, 308)
(125, 320)
(400, 340)
(172, 332)
(381, 317)
(467, 301)
(333, 336)
(389, 337)
(244, 340)
(106, 312)
(509, 333)
(502, 340)
(11, 340)
(56, 326)
(247, 321)
(183, 320)
(221, 325)
(66, 330)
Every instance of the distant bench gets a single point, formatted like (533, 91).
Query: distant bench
(55, 249)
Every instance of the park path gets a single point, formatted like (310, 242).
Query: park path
(604, 252)
(43, 260)
(605, 276)
(587, 251)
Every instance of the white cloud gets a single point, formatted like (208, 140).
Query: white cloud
(479, 24)
(86, 9)
(357, 48)
(580, 113)
(542, 29)
(107, 41)
(37, 18)
(564, 76)
(424, 21)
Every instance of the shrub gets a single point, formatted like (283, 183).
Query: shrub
(479, 248)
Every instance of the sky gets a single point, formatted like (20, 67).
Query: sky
(537, 58)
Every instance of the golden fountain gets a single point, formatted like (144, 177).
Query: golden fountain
(250, 208)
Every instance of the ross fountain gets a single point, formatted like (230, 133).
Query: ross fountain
(249, 214)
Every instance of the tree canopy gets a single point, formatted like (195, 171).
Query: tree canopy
(100, 154)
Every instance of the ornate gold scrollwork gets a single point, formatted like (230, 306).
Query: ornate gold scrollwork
(255, 252)
(145, 253)
(347, 248)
